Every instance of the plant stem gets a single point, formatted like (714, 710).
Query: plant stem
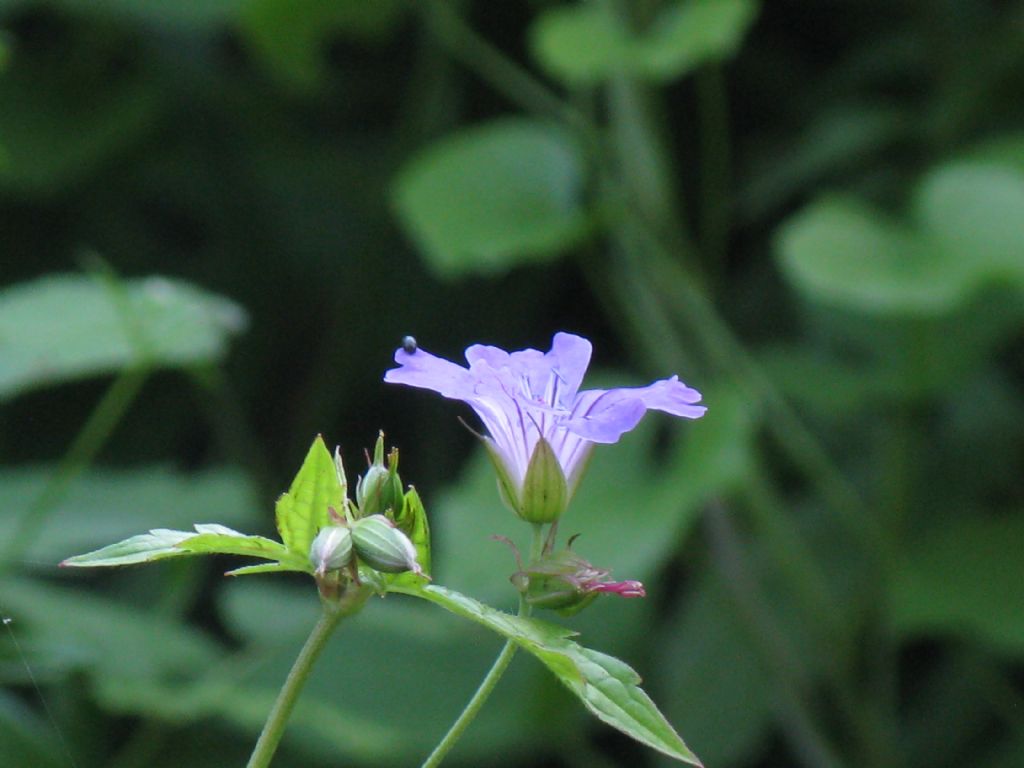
(487, 685)
(273, 729)
(101, 423)
(489, 63)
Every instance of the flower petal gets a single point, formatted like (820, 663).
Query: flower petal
(570, 355)
(605, 415)
(426, 371)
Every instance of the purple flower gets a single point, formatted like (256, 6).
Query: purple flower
(541, 426)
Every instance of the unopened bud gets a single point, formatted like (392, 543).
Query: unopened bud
(383, 547)
(331, 550)
(379, 491)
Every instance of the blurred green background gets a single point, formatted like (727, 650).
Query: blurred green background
(219, 217)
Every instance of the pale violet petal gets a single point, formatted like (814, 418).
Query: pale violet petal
(571, 357)
(426, 371)
(605, 415)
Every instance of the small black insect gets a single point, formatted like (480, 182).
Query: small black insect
(409, 344)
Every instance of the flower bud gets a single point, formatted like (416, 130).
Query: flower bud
(331, 550)
(545, 494)
(380, 545)
(567, 583)
(379, 491)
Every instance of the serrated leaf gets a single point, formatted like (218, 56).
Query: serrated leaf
(605, 685)
(207, 539)
(158, 544)
(42, 342)
(494, 196)
(302, 512)
(585, 44)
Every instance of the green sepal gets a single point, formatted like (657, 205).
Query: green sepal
(302, 512)
(605, 685)
(413, 523)
(545, 493)
(506, 484)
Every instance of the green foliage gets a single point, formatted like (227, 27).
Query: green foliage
(965, 579)
(605, 685)
(494, 196)
(585, 44)
(303, 511)
(60, 125)
(969, 233)
(108, 505)
(151, 321)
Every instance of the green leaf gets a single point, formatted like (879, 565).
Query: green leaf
(208, 539)
(964, 578)
(975, 212)
(302, 512)
(494, 196)
(582, 44)
(585, 44)
(158, 544)
(109, 505)
(160, 322)
(842, 252)
(967, 233)
(356, 705)
(217, 540)
(606, 686)
(692, 33)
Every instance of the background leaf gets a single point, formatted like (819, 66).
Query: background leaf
(494, 196)
(585, 44)
(177, 323)
(109, 505)
(965, 578)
